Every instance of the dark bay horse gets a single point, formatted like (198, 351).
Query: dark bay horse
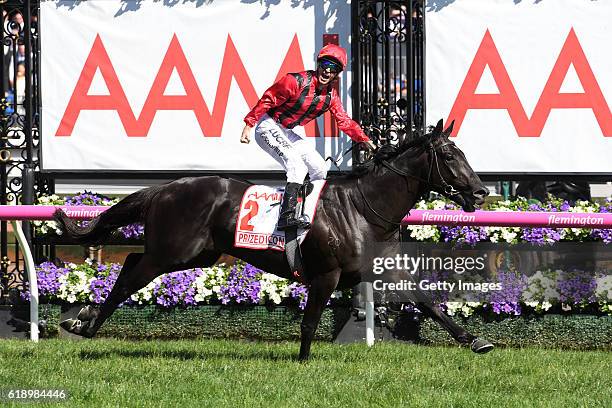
(190, 222)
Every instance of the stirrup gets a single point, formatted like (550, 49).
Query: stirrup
(290, 223)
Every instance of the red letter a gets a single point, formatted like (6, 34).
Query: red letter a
(592, 98)
(507, 98)
(116, 100)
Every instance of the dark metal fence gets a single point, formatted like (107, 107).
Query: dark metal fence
(388, 68)
(19, 126)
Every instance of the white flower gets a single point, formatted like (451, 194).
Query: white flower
(423, 232)
(421, 205)
(603, 290)
(466, 310)
(453, 307)
(438, 204)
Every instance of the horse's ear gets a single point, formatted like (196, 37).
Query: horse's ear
(438, 129)
(449, 129)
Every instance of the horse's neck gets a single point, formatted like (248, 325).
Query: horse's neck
(393, 195)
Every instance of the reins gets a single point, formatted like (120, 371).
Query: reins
(335, 162)
(447, 189)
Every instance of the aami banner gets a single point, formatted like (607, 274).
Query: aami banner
(151, 85)
(528, 84)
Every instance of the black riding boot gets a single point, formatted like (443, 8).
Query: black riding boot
(287, 217)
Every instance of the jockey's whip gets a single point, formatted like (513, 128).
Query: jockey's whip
(335, 161)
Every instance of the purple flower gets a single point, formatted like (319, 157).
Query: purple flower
(506, 300)
(242, 286)
(541, 236)
(604, 235)
(47, 277)
(464, 235)
(577, 288)
(299, 292)
(177, 289)
(88, 198)
(134, 231)
(101, 286)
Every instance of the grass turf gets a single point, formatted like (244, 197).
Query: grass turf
(223, 373)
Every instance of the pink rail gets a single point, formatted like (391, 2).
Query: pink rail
(416, 217)
(45, 212)
(509, 219)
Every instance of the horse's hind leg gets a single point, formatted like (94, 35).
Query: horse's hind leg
(137, 271)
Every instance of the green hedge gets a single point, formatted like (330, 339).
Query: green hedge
(151, 322)
(579, 332)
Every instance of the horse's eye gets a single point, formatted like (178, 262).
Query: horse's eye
(448, 157)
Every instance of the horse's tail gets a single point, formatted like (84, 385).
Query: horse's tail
(131, 209)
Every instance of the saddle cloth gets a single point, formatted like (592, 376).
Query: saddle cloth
(259, 211)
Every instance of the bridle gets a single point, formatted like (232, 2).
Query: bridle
(444, 188)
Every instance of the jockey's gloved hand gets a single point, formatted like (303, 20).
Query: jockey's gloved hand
(368, 145)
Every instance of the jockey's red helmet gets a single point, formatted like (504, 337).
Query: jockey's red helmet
(334, 52)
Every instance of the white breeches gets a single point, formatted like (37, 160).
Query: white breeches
(297, 155)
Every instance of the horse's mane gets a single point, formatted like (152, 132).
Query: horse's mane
(388, 152)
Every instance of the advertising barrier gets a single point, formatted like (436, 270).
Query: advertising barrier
(528, 84)
(132, 85)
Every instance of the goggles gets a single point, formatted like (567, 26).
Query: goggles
(326, 64)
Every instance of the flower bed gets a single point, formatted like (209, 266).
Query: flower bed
(240, 284)
(547, 291)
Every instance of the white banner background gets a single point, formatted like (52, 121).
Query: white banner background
(136, 37)
(529, 37)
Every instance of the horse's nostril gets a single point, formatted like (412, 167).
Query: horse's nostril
(480, 195)
(481, 192)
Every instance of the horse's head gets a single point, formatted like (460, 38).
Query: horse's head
(449, 172)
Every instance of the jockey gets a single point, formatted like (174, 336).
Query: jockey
(295, 100)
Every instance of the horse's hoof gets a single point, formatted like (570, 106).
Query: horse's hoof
(73, 326)
(481, 346)
(87, 313)
(78, 327)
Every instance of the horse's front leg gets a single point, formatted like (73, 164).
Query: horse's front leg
(461, 335)
(321, 289)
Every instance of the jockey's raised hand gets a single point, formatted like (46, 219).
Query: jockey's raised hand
(246, 134)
